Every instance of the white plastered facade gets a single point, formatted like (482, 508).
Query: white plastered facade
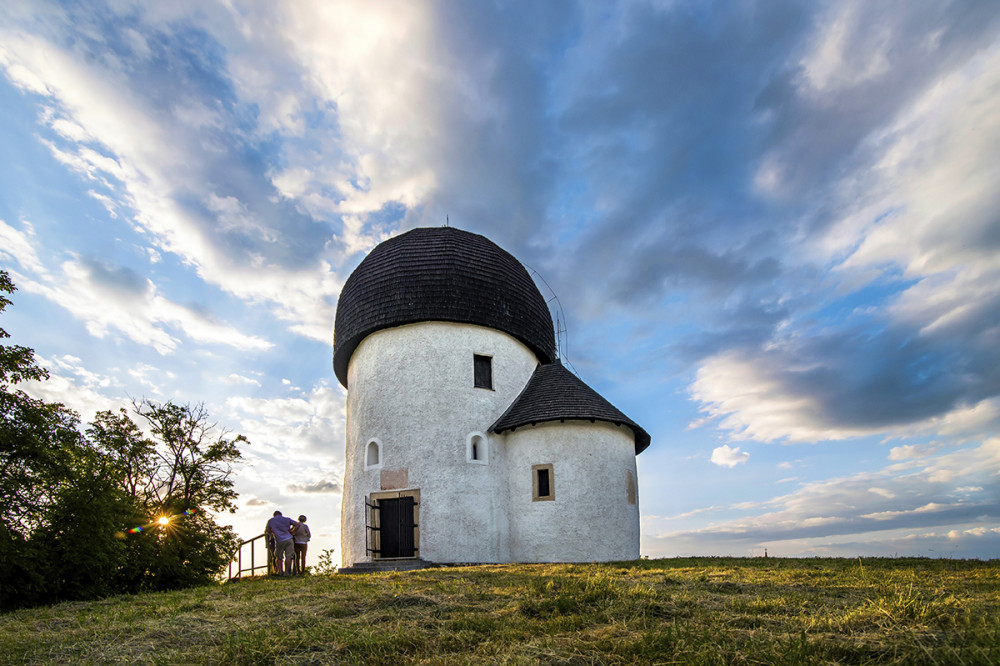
(410, 390)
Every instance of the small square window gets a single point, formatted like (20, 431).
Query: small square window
(483, 371)
(542, 483)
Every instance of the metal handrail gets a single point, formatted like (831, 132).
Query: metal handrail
(252, 569)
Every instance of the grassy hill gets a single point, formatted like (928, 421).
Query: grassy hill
(699, 610)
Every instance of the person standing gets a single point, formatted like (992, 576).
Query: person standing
(301, 537)
(281, 529)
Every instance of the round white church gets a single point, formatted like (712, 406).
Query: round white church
(467, 440)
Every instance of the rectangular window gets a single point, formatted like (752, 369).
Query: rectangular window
(542, 483)
(483, 371)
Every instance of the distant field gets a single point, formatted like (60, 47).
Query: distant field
(697, 611)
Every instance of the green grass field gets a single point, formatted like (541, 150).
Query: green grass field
(690, 611)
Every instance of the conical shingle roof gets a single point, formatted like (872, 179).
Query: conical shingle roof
(554, 394)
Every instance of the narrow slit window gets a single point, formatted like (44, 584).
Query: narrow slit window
(477, 449)
(373, 454)
(483, 371)
(542, 483)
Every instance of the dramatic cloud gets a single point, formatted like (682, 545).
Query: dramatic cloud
(166, 166)
(913, 225)
(109, 297)
(925, 493)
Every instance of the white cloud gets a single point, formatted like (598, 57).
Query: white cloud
(135, 308)
(751, 401)
(315, 488)
(936, 169)
(232, 214)
(144, 374)
(19, 246)
(849, 50)
(890, 515)
(724, 456)
(73, 385)
(234, 378)
(907, 452)
(309, 427)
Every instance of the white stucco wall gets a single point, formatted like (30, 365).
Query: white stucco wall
(411, 387)
(591, 517)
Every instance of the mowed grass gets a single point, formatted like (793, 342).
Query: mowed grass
(691, 611)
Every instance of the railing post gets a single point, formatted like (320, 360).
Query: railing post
(238, 557)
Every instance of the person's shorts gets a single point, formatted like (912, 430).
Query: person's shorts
(285, 549)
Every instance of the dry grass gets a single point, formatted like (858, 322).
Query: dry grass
(696, 611)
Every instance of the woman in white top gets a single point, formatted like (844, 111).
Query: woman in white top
(301, 536)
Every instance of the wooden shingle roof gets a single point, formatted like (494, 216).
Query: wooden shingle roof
(555, 394)
(440, 274)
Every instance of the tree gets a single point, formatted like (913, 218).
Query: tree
(128, 453)
(16, 363)
(194, 458)
(81, 547)
(40, 447)
(180, 472)
(78, 509)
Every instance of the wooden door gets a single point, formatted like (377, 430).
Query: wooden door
(396, 527)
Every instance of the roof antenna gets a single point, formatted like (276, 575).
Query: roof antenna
(561, 330)
(446, 221)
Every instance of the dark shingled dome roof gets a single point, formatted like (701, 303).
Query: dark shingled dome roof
(440, 274)
(554, 394)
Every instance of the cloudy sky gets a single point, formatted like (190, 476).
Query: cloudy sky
(772, 228)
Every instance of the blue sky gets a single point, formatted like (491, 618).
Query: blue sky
(772, 228)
